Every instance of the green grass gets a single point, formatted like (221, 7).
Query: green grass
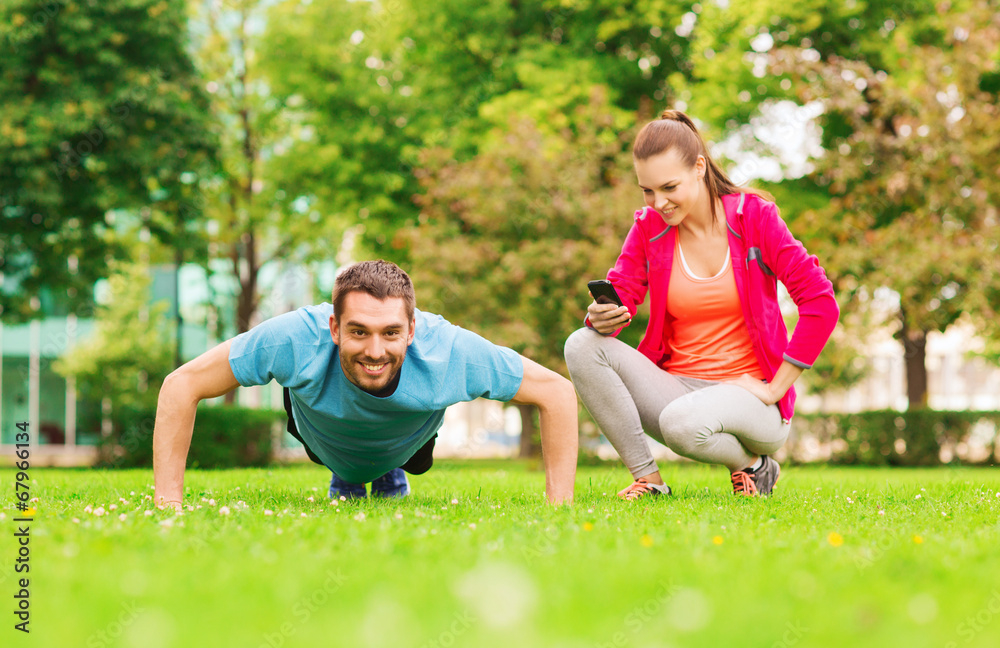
(838, 557)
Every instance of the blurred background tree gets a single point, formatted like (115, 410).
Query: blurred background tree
(101, 109)
(380, 82)
(910, 167)
(507, 240)
(125, 360)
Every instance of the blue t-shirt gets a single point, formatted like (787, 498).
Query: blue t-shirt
(359, 436)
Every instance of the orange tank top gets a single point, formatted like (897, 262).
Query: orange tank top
(709, 337)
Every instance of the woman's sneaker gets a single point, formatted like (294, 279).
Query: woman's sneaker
(642, 488)
(757, 482)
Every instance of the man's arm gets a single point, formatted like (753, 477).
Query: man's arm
(207, 376)
(555, 398)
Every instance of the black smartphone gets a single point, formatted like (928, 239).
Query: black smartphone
(604, 292)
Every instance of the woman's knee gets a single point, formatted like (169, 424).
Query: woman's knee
(682, 428)
(580, 346)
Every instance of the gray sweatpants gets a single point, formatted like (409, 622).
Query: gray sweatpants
(703, 420)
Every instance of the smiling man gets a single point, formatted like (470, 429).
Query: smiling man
(367, 380)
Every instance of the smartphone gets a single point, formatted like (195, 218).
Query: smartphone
(604, 292)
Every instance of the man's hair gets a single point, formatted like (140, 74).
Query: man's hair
(380, 279)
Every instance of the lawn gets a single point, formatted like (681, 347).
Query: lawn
(837, 557)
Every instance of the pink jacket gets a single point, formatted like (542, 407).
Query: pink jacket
(763, 252)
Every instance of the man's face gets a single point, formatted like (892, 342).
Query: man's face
(373, 336)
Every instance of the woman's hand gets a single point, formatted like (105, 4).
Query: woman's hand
(773, 391)
(758, 388)
(607, 318)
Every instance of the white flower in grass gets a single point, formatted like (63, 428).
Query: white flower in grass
(148, 513)
(343, 499)
(454, 501)
(131, 492)
(211, 502)
(310, 499)
(360, 517)
(112, 507)
(268, 512)
(472, 525)
(303, 515)
(169, 522)
(334, 502)
(881, 512)
(88, 509)
(917, 497)
(224, 510)
(279, 531)
(398, 516)
(99, 511)
(122, 517)
(75, 520)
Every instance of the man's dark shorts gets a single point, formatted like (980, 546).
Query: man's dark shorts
(418, 464)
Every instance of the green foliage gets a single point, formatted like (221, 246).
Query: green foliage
(508, 240)
(376, 83)
(131, 349)
(100, 109)
(912, 438)
(224, 437)
(912, 176)
(730, 75)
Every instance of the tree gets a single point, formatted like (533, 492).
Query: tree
(100, 110)
(911, 171)
(376, 83)
(253, 219)
(125, 360)
(507, 240)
